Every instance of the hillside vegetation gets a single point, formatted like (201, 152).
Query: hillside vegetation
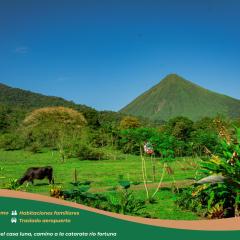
(27, 99)
(16, 100)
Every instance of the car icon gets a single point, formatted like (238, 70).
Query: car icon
(13, 220)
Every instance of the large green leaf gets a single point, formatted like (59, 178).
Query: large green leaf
(125, 184)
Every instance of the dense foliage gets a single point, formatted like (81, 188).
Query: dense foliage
(218, 195)
(176, 138)
(179, 136)
(33, 131)
(119, 200)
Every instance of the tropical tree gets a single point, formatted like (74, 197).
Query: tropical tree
(180, 127)
(54, 126)
(204, 140)
(129, 122)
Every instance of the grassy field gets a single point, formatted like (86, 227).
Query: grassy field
(104, 174)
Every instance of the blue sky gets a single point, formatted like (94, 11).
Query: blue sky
(105, 53)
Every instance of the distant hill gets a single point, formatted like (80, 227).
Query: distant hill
(26, 99)
(17, 98)
(175, 96)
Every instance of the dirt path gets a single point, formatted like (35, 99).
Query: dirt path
(181, 183)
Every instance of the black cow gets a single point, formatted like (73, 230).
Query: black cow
(37, 173)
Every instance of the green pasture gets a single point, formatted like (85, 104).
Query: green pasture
(104, 174)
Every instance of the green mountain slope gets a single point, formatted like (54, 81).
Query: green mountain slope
(26, 99)
(17, 99)
(175, 96)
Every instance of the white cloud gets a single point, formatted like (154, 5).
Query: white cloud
(21, 49)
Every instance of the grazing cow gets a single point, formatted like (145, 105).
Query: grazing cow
(37, 173)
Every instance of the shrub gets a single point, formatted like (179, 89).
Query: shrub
(84, 151)
(10, 141)
(35, 147)
(121, 201)
(217, 199)
(13, 184)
